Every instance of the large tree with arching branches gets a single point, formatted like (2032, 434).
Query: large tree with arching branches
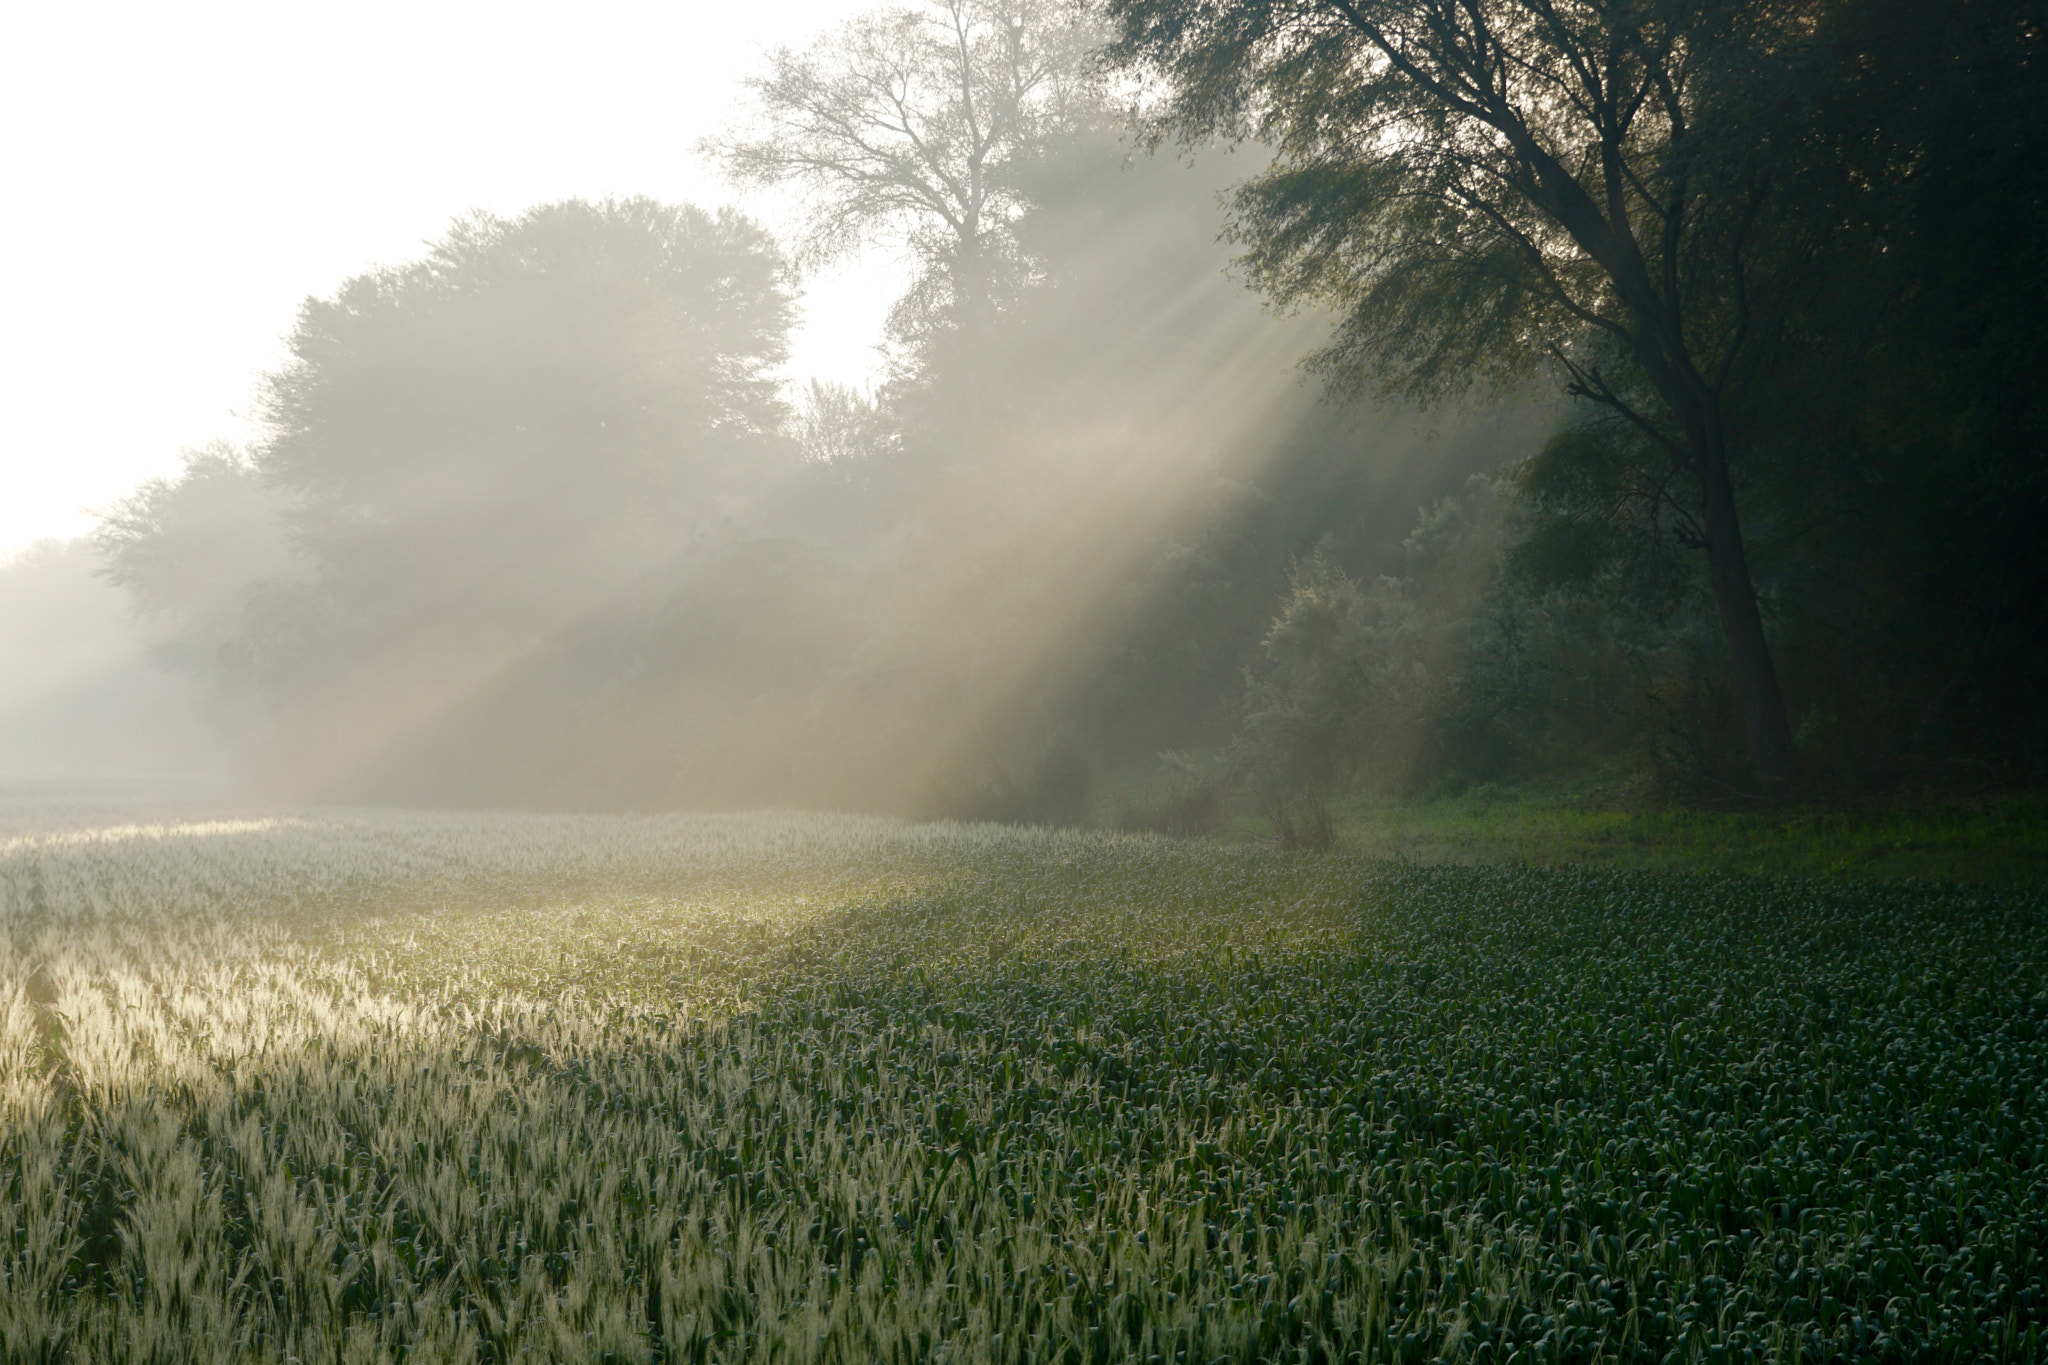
(1483, 187)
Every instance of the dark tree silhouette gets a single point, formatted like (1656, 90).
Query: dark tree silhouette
(1489, 185)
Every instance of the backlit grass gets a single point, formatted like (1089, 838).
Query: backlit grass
(355, 1086)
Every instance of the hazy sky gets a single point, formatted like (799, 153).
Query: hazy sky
(178, 178)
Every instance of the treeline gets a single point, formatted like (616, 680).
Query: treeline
(531, 521)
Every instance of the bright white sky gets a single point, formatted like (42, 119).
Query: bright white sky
(177, 178)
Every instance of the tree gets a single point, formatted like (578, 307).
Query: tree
(538, 409)
(185, 551)
(1481, 187)
(837, 426)
(909, 125)
(490, 462)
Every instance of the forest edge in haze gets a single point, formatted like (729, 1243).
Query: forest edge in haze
(1684, 430)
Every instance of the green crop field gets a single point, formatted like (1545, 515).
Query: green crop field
(359, 1086)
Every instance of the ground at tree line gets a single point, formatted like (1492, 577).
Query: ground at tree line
(1995, 839)
(380, 1086)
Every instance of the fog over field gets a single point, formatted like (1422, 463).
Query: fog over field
(1061, 413)
(540, 516)
(1031, 682)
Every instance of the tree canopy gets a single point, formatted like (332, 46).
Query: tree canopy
(912, 125)
(187, 547)
(481, 462)
(1483, 187)
(557, 538)
(537, 397)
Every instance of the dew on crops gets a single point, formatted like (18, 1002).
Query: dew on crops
(354, 1085)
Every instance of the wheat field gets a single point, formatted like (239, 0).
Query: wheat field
(378, 1086)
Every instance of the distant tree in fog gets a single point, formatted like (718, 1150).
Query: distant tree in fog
(837, 426)
(910, 126)
(79, 695)
(185, 551)
(479, 474)
(542, 404)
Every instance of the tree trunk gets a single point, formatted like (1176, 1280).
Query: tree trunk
(1771, 751)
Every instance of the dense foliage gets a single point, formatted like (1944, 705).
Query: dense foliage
(742, 1088)
(1784, 260)
(471, 465)
(530, 525)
